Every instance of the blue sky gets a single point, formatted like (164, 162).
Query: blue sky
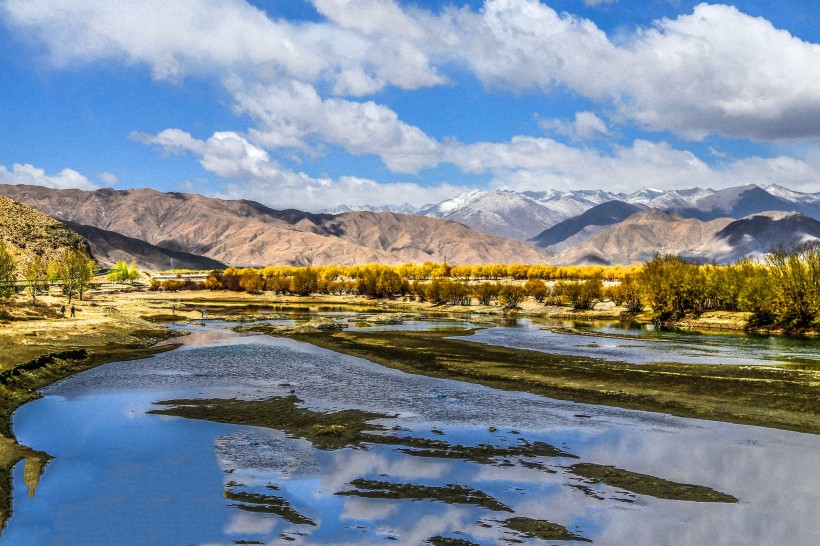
(311, 104)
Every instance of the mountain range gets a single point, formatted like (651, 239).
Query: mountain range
(524, 215)
(638, 237)
(161, 230)
(600, 227)
(246, 233)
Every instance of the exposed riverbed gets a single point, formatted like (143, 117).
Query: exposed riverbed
(455, 460)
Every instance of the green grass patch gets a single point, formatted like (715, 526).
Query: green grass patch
(774, 396)
(644, 484)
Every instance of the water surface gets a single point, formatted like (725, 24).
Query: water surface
(123, 476)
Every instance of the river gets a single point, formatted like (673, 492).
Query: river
(121, 475)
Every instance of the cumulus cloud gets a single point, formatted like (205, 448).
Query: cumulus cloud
(35, 176)
(292, 114)
(110, 179)
(530, 163)
(251, 173)
(716, 70)
(177, 37)
(523, 163)
(721, 71)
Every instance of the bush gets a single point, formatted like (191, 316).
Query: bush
(251, 281)
(278, 285)
(671, 286)
(214, 281)
(304, 281)
(536, 289)
(486, 292)
(795, 279)
(172, 285)
(583, 295)
(626, 293)
(511, 295)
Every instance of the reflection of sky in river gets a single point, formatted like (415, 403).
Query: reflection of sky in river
(638, 346)
(124, 477)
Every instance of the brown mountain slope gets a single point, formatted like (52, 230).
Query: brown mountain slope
(109, 247)
(25, 230)
(248, 233)
(640, 236)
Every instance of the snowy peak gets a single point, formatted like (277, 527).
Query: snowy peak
(440, 210)
(644, 196)
(499, 212)
(523, 215)
(406, 208)
(791, 195)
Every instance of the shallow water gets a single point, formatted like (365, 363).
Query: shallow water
(640, 345)
(123, 476)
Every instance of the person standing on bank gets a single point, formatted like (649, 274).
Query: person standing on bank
(72, 311)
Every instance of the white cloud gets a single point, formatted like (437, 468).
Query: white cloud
(529, 163)
(177, 37)
(585, 126)
(523, 163)
(29, 174)
(252, 174)
(719, 70)
(292, 114)
(523, 44)
(594, 3)
(716, 70)
(588, 125)
(371, 17)
(110, 179)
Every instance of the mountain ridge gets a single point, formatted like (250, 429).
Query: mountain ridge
(246, 233)
(503, 212)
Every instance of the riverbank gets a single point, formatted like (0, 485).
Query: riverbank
(41, 346)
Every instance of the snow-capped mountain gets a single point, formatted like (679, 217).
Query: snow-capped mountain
(520, 215)
(605, 214)
(673, 199)
(644, 196)
(524, 215)
(499, 212)
(406, 208)
(724, 240)
(793, 196)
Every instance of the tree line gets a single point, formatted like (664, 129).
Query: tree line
(783, 289)
(72, 270)
(780, 290)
